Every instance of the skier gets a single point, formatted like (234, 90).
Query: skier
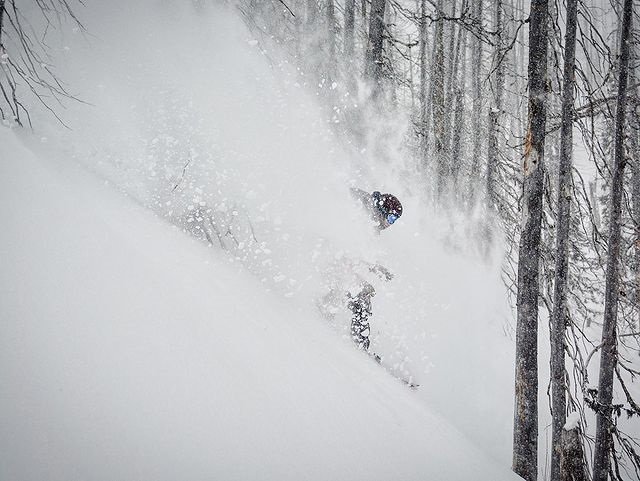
(384, 210)
(350, 275)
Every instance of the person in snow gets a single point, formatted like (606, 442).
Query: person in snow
(384, 210)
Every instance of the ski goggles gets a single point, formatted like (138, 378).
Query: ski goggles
(391, 218)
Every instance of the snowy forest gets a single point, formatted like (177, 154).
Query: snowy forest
(186, 267)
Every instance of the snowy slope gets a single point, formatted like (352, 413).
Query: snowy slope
(189, 107)
(130, 351)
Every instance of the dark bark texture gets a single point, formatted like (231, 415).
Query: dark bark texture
(459, 120)
(1, 19)
(375, 48)
(349, 26)
(525, 435)
(424, 111)
(572, 465)
(635, 206)
(495, 113)
(438, 101)
(608, 353)
(558, 315)
(476, 83)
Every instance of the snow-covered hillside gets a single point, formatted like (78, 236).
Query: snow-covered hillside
(130, 350)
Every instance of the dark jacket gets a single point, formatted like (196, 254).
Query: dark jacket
(379, 206)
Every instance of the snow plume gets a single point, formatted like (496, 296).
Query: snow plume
(213, 135)
(193, 118)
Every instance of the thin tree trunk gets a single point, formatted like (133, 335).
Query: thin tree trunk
(331, 39)
(424, 111)
(348, 45)
(494, 113)
(390, 84)
(635, 206)
(438, 100)
(525, 435)
(453, 57)
(349, 27)
(608, 352)
(558, 316)
(1, 22)
(519, 61)
(452, 92)
(456, 141)
(375, 45)
(364, 35)
(476, 81)
(492, 159)
(635, 191)
(411, 81)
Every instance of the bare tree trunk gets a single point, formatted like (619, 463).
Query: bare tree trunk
(635, 190)
(390, 84)
(452, 89)
(495, 113)
(424, 111)
(1, 22)
(635, 206)
(476, 82)
(459, 121)
(438, 100)
(412, 86)
(451, 56)
(492, 158)
(520, 58)
(608, 353)
(558, 316)
(525, 435)
(349, 27)
(331, 61)
(348, 46)
(375, 45)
